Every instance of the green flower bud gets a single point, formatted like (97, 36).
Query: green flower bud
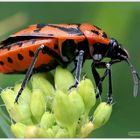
(102, 114)
(87, 92)
(47, 120)
(62, 133)
(35, 132)
(68, 109)
(37, 104)
(63, 79)
(8, 97)
(40, 82)
(86, 129)
(18, 112)
(18, 130)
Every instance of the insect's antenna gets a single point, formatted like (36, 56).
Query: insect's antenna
(136, 77)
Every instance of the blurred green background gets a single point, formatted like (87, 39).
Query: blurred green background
(118, 20)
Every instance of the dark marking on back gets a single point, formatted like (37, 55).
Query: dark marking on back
(19, 44)
(20, 57)
(50, 35)
(9, 59)
(69, 48)
(14, 40)
(78, 25)
(95, 32)
(97, 27)
(31, 53)
(1, 63)
(8, 47)
(56, 47)
(104, 35)
(39, 27)
(75, 31)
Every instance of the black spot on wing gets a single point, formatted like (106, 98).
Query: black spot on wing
(75, 31)
(104, 35)
(31, 53)
(1, 63)
(97, 27)
(10, 60)
(20, 57)
(39, 27)
(95, 32)
(11, 40)
(50, 35)
(8, 47)
(19, 44)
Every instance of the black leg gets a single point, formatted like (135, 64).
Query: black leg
(99, 80)
(78, 68)
(44, 49)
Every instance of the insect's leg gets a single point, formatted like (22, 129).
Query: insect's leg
(98, 79)
(44, 49)
(78, 68)
(108, 72)
(75, 65)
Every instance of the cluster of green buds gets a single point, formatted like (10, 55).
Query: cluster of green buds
(49, 109)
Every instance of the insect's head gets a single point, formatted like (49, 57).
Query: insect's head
(117, 53)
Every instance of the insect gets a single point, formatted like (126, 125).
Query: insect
(42, 47)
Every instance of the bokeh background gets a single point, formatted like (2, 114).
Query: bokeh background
(119, 20)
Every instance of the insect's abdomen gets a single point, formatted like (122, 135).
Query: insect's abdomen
(18, 56)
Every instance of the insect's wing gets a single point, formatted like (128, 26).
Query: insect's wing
(61, 31)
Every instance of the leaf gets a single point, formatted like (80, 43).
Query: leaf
(5, 124)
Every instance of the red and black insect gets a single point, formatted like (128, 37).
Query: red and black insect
(42, 47)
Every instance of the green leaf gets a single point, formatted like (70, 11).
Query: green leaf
(5, 125)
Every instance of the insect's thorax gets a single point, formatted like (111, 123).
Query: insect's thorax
(69, 48)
